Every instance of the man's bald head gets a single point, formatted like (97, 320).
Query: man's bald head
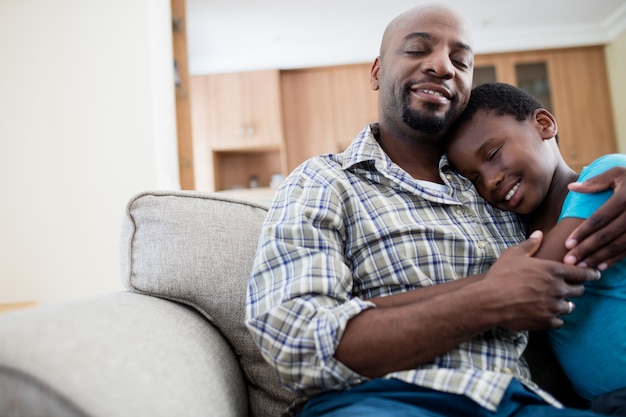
(409, 20)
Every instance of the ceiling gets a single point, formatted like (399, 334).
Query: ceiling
(241, 35)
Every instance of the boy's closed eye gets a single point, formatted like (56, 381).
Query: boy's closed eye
(494, 154)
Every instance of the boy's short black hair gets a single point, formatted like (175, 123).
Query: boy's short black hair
(500, 99)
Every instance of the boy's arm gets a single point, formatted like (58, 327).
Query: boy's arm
(553, 247)
(601, 239)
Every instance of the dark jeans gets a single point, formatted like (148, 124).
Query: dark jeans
(612, 403)
(385, 398)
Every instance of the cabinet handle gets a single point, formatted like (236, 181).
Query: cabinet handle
(246, 131)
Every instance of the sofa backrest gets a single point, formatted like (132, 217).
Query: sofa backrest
(197, 248)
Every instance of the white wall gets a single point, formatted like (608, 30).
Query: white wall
(243, 35)
(616, 63)
(87, 120)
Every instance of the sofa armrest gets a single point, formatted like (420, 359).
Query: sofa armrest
(117, 355)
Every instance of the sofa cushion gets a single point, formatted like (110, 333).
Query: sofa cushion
(117, 355)
(197, 248)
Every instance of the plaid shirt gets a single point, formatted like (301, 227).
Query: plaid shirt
(347, 227)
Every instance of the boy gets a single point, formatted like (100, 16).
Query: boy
(505, 144)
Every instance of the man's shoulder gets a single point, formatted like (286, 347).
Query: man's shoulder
(320, 165)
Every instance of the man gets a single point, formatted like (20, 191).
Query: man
(382, 284)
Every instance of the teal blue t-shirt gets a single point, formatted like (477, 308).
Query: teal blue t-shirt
(591, 345)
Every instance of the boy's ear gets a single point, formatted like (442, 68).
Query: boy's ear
(546, 123)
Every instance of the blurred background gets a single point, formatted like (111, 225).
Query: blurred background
(103, 99)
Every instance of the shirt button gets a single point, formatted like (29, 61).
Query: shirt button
(449, 177)
(481, 244)
(459, 210)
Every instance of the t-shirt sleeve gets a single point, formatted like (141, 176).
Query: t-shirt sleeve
(582, 205)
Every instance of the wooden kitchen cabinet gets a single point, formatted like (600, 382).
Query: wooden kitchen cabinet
(244, 110)
(262, 123)
(324, 108)
(583, 106)
(309, 114)
(237, 129)
(571, 83)
(356, 104)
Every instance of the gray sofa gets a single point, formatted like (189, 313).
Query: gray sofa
(175, 343)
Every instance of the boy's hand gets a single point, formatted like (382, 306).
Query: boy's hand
(600, 241)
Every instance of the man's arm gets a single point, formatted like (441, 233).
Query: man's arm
(518, 292)
(601, 239)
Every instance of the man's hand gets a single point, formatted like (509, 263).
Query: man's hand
(409, 329)
(600, 241)
(535, 292)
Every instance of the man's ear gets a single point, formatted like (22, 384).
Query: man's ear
(374, 74)
(546, 123)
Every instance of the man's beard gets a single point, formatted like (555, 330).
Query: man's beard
(427, 122)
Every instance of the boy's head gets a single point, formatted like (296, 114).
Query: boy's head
(504, 142)
(500, 99)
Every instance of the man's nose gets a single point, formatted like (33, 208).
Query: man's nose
(439, 64)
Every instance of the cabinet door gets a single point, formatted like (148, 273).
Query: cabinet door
(491, 68)
(309, 114)
(355, 102)
(225, 110)
(324, 109)
(533, 72)
(582, 104)
(244, 110)
(262, 118)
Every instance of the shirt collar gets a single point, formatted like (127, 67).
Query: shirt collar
(365, 149)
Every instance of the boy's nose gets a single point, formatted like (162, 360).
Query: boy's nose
(493, 181)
